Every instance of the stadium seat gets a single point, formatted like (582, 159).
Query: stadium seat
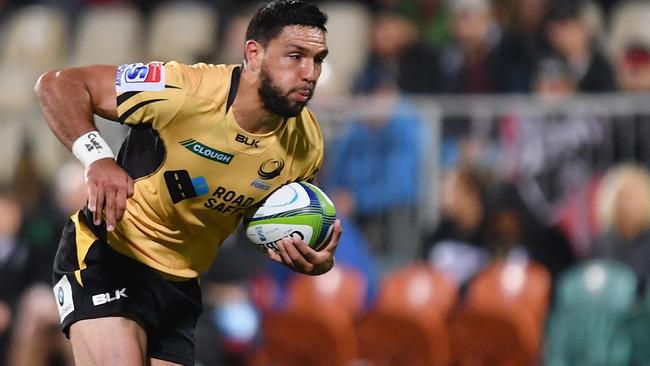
(407, 326)
(494, 337)
(34, 41)
(109, 35)
(502, 317)
(231, 49)
(342, 287)
(317, 326)
(586, 324)
(182, 31)
(512, 284)
(300, 337)
(35, 38)
(348, 29)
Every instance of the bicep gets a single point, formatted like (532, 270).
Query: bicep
(100, 83)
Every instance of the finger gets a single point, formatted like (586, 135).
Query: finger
(306, 251)
(274, 255)
(99, 208)
(293, 252)
(120, 202)
(336, 236)
(129, 187)
(282, 251)
(92, 197)
(110, 209)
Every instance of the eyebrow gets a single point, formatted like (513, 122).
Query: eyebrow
(323, 53)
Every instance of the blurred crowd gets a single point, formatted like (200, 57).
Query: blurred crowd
(451, 216)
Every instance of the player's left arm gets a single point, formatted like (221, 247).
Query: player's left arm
(300, 257)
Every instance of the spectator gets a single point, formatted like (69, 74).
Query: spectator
(37, 320)
(523, 41)
(430, 17)
(228, 331)
(633, 69)
(379, 160)
(571, 37)
(554, 80)
(512, 227)
(395, 53)
(476, 62)
(19, 270)
(623, 204)
(458, 245)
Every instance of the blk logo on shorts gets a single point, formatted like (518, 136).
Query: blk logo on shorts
(101, 299)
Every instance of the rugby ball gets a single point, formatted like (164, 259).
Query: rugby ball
(297, 208)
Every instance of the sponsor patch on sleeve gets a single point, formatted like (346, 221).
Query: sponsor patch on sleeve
(140, 77)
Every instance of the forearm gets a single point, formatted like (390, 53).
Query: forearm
(66, 105)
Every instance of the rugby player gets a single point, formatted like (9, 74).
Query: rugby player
(206, 143)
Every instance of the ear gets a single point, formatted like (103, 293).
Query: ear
(254, 52)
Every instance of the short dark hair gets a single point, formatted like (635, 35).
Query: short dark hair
(561, 10)
(270, 20)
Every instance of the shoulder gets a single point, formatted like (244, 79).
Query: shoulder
(201, 80)
(307, 127)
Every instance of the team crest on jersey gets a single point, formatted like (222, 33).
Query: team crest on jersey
(140, 77)
(270, 169)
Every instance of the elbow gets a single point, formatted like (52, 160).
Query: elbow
(45, 82)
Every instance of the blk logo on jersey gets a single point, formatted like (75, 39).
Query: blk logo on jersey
(246, 141)
(270, 169)
(181, 186)
(140, 77)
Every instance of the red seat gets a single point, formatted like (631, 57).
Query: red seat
(407, 326)
(317, 326)
(299, 338)
(501, 321)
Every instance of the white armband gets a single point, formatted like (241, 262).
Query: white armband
(91, 147)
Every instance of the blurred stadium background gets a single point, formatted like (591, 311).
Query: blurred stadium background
(489, 159)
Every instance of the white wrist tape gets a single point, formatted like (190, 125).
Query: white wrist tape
(91, 147)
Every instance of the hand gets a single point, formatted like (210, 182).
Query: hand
(109, 186)
(297, 255)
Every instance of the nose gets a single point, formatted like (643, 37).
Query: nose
(309, 70)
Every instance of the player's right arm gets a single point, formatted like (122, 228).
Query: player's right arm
(68, 99)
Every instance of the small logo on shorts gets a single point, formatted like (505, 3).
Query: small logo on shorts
(64, 301)
(60, 296)
(101, 299)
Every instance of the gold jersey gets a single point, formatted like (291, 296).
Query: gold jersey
(195, 169)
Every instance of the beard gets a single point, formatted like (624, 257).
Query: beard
(275, 101)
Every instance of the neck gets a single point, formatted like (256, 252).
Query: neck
(248, 108)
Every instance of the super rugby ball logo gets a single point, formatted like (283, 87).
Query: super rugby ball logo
(270, 169)
(140, 77)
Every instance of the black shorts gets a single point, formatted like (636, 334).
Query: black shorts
(91, 280)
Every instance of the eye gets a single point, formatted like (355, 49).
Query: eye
(319, 60)
(295, 56)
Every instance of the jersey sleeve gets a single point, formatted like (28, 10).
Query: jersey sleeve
(150, 93)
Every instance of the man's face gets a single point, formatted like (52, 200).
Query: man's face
(290, 68)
